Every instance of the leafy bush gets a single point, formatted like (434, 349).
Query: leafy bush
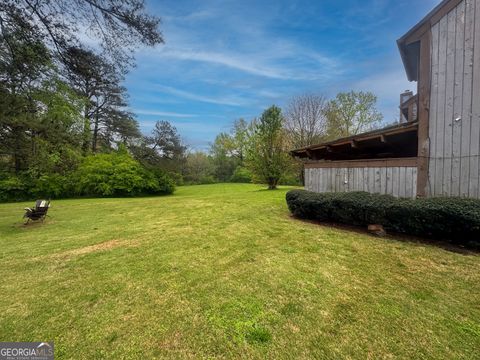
(27, 185)
(241, 175)
(454, 219)
(51, 186)
(113, 174)
(164, 183)
(290, 178)
(13, 188)
(176, 177)
(118, 174)
(208, 179)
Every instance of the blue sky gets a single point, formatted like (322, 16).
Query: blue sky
(223, 59)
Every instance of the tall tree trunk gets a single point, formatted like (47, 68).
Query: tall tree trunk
(86, 131)
(95, 133)
(272, 183)
(16, 153)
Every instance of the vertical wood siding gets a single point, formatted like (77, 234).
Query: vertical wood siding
(396, 181)
(454, 124)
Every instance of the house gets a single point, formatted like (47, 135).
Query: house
(435, 149)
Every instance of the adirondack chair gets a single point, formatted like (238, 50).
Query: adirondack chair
(39, 212)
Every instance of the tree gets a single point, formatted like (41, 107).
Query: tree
(39, 114)
(352, 113)
(228, 150)
(167, 142)
(162, 150)
(305, 120)
(121, 127)
(240, 139)
(57, 96)
(24, 61)
(199, 168)
(98, 82)
(267, 157)
(306, 124)
(118, 25)
(222, 151)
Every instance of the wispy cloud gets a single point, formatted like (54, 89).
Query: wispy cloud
(233, 62)
(258, 64)
(192, 17)
(228, 58)
(203, 127)
(220, 100)
(387, 86)
(162, 113)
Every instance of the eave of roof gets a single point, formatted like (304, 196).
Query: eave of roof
(389, 130)
(409, 63)
(412, 36)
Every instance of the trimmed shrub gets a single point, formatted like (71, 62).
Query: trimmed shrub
(453, 219)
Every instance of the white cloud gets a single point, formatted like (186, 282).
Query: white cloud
(234, 62)
(192, 17)
(162, 113)
(310, 65)
(387, 86)
(202, 127)
(221, 100)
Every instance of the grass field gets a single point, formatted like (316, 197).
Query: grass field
(223, 271)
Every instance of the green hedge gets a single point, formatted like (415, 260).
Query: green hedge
(453, 219)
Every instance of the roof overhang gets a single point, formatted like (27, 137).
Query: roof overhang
(397, 140)
(409, 44)
(411, 59)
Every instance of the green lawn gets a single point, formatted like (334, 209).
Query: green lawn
(223, 271)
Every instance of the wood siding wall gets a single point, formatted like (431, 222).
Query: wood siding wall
(454, 117)
(396, 181)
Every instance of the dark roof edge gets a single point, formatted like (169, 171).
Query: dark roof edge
(423, 21)
(411, 76)
(401, 43)
(382, 131)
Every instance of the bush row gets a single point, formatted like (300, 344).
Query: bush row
(112, 174)
(454, 219)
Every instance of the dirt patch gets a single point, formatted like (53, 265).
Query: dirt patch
(93, 248)
(172, 342)
(105, 246)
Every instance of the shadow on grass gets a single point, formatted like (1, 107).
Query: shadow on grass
(23, 225)
(280, 188)
(31, 224)
(473, 250)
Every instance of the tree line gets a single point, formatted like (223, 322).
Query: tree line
(65, 128)
(258, 150)
(64, 125)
